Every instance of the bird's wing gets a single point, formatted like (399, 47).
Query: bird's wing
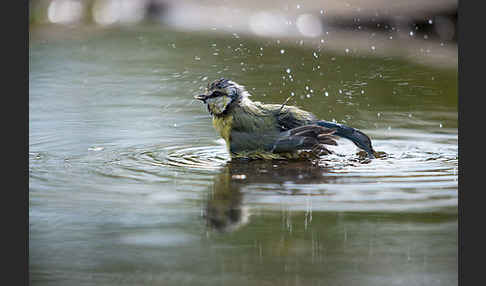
(289, 117)
(306, 137)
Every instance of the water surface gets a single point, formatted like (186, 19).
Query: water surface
(129, 184)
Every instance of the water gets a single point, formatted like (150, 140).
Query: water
(129, 184)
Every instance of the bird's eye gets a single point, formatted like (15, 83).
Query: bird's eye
(216, 94)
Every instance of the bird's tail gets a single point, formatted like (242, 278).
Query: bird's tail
(357, 137)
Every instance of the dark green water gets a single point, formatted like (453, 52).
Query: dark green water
(130, 185)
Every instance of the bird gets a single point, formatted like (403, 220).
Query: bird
(255, 130)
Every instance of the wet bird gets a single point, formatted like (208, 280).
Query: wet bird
(256, 130)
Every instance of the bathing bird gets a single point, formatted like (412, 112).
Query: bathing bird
(254, 130)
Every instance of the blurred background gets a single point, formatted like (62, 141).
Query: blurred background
(130, 184)
(407, 28)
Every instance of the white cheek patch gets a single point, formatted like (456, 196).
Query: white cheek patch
(218, 105)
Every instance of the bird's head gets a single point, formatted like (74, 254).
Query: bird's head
(220, 94)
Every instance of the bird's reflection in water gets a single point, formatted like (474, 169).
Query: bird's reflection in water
(225, 210)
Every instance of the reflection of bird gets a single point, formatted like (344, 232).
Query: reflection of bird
(271, 131)
(226, 210)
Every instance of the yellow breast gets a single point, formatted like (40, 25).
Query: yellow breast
(222, 124)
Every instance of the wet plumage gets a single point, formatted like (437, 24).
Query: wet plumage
(253, 129)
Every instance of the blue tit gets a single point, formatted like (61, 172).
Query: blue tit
(256, 130)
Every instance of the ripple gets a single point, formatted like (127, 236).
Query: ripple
(414, 174)
(411, 176)
(203, 157)
(158, 163)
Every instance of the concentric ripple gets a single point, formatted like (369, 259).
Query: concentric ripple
(156, 163)
(203, 157)
(412, 174)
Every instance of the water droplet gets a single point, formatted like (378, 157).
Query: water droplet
(346, 50)
(440, 125)
(298, 6)
(315, 55)
(204, 78)
(308, 96)
(197, 58)
(326, 93)
(239, 177)
(373, 48)
(411, 33)
(362, 91)
(430, 21)
(282, 51)
(288, 70)
(340, 91)
(96, 149)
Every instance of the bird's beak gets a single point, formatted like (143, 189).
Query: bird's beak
(201, 97)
